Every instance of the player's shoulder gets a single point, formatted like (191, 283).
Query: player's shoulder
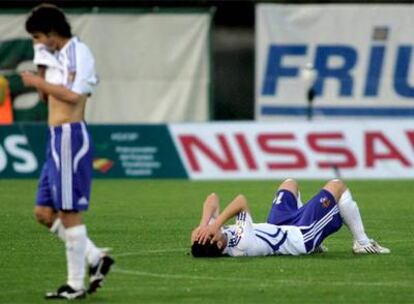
(82, 48)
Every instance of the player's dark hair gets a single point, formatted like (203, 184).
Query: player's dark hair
(206, 251)
(47, 18)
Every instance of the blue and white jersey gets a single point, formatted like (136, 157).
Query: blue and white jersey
(248, 239)
(73, 66)
(78, 63)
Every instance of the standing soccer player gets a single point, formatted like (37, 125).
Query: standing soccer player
(65, 181)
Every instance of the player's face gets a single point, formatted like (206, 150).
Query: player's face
(47, 39)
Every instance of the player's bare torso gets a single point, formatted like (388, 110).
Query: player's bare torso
(61, 112)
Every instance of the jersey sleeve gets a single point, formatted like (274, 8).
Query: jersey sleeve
(84, 75)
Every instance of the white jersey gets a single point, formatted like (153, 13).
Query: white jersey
(248, 239)
(73, 66)
(43, 57)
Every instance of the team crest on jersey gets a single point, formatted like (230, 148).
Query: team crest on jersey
(325, 202)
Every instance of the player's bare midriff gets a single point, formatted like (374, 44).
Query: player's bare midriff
(61, 112)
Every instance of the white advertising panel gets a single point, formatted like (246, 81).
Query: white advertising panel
(152, 67)
(356, 58)
(319, 150)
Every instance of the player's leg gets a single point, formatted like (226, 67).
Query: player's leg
(99, 262)
(48, 217)
(285, 203)
(45, 212)
(350, 214)
(45, 215)
(318, 219)
(71, 179)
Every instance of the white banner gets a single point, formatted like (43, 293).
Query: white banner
(319, 150)
(359, 57)
(153, 67)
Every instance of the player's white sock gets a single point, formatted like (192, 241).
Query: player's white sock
(350, 214)
(58, 229)
(93, 253)
(75, 255)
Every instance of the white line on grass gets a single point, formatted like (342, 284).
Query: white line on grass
(261, 283)
(150, 251)
(232, 279)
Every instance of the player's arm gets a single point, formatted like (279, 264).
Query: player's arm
(211, 209)
(59, 92)
(236, 206)
(41, 71)
(212, 232)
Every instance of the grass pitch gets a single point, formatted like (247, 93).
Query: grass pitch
(147, 223)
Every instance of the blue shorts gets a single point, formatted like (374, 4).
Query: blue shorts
(317, 219)
(65, 181)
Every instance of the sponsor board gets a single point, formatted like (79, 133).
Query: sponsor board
(360, 67)
(140, 151)
(137, 151)
(318, 150)
(22, 150)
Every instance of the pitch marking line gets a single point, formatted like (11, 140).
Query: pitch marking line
(262, 283)
(150, 251)
(237, 279)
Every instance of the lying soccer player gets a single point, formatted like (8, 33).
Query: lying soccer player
(291, 228)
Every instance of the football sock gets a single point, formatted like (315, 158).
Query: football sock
(350, 214)
(93, 253)
(58, 229)
(75, 255)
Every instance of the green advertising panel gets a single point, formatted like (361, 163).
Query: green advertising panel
(142, 151)
(132, 151)
(22, 149)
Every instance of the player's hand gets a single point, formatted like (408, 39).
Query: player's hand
(199, 234)
(207, 234)
(195, 234)
(30, 80)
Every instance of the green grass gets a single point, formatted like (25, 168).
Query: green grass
(147, 223)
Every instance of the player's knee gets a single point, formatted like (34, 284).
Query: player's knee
(213, 196)
(336, 187)
(291, 185)
(338, 184)
(44, 216)
(70, 218)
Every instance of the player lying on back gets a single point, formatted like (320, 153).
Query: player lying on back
(291, 228)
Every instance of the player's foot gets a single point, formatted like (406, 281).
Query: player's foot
(371, 248)
(321, 249)
(67, 293)
(97, 274)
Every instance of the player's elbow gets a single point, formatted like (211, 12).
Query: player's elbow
(241, 197)
(212, 200)
(213, 196)
(242, 201)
